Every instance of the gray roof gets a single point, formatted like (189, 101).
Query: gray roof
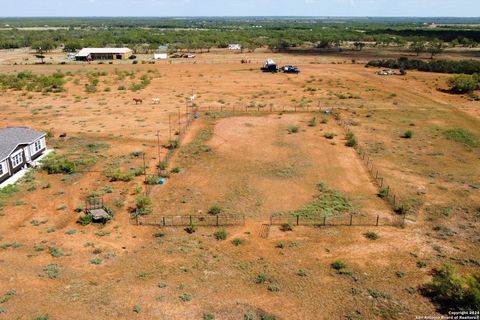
(11, 137)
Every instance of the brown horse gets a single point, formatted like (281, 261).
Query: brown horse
(137, 101)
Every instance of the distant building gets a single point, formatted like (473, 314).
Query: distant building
(163, 48)
(234, 46)
(88, 54)
(19, 148)
(160, 56)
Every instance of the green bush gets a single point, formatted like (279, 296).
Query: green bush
(185, 297)
(351, 140)
(407, 134)
(463, 83)
(451, 291)
(192, 228)
(371, 235)
(85, 220)
(55, 164)
(220, 235)
(119, 175)
(143, 205)
(293, 129)
(329, 135)
(338, 265)
(237, 241)
(215, 210)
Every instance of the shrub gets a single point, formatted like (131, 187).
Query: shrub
(96, 261)
(338, 265)
(293, 129)
(371, 235)
(52, 270)
(351, 140)
(312, 122)
(273, 287)
(208, 316)
(119, 175)
(329, 135)
(85, 220)
(159, 234)
(237, 241)
(442, 66)
(301, 273)
(151, 180)
(407, 134)
(143, 205)
(286, 227)
(137, 308)
(220, 235)
(192, 228)
(215, 210)
(453, 292)
(55, 252)
(261, 278)
(185, 297)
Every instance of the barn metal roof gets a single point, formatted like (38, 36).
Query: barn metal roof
(86, 51)
(12, 137)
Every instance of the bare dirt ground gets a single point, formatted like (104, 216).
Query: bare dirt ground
(132, 268)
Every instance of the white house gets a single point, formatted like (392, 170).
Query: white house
(20, 147)
(234, 46)
(160, 56)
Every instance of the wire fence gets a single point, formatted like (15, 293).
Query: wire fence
(385, 190)
(344, 220)
(189, 220)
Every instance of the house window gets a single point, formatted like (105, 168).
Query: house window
(2, 169)
(37, 145)
(17, 159)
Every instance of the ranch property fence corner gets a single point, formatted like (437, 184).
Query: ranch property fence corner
(385, 190)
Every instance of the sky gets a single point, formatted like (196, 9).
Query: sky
(164, 8)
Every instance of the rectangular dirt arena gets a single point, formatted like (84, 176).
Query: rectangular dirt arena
(254, 166)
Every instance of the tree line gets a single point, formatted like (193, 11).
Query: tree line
(196, 34)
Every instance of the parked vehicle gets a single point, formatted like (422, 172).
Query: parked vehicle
(290, 69)
(269, 66)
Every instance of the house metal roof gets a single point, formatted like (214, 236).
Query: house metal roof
(86, 51)
(12, 137)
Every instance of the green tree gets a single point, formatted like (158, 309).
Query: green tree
(417, 47)
(463, 83)
(434, 48)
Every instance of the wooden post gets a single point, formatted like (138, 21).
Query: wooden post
(217, 219)
(144, 168)
(190, 219)
(394, 198)
(170, 126)
(376, 175)
(351, 219)
(163, 218)
(377, 220)
(388, 190)
(381, 183)
(298, 220)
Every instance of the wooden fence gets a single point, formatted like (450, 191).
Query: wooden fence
(345, 220)
(188, 220)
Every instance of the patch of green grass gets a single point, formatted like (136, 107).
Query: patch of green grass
(327, 202)
(329, 135)
(96, 261)
(215, 210)
(461, 135)
(137, 308)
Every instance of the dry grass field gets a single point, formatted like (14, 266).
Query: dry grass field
(252, 164)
